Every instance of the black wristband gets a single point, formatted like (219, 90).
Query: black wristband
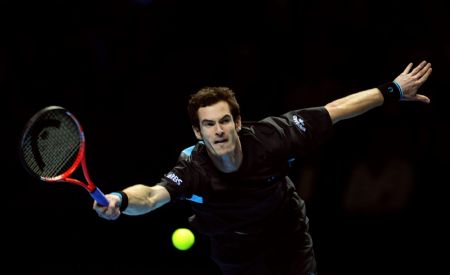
(123, 200)
(391, 91)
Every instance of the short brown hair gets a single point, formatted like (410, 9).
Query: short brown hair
(208, 96)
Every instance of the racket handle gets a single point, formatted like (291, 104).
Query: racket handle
(98, 195)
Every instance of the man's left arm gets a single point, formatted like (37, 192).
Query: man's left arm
(403, 88)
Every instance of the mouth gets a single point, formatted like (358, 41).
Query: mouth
(220, 141)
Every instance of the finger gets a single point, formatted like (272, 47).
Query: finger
(408, 68)
(417, 97)
(424, 73)
(419, 67)
(422, 98)
(108, 216)
(113, 216)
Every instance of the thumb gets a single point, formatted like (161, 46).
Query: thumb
(417, 97)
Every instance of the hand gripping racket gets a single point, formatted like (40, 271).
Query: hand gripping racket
(53, 146)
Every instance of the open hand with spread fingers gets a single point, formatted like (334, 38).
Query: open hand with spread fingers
(411, 80)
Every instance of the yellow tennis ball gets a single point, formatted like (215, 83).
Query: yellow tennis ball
(183, 239)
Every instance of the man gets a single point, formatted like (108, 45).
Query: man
(236, 176)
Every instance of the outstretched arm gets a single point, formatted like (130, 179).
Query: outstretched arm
(140, 199)
(358, 103)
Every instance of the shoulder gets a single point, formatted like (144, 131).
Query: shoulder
(299, 118)
(312, 113)
(193, 154)
(306, 118)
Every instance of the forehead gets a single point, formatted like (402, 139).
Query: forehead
(214, 112)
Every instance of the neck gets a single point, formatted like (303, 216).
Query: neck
(230, 162)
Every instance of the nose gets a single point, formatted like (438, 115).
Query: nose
(219, 130)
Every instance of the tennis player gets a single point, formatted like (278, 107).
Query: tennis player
(236, 176)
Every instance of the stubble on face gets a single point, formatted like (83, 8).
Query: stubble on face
(220, 133)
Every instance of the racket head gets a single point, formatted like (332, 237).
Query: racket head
(52, 144)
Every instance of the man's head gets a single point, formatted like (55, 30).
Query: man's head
(215, 117)
(209, 96)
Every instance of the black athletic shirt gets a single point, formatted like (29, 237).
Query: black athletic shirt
(252, 198)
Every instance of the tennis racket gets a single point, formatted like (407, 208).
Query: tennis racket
(52, 148)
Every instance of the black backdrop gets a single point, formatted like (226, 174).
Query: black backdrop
(375, 192)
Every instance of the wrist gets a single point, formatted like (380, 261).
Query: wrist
(399, 89)
(123, 204)
(391, 91)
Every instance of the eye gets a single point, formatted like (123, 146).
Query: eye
(225, 120)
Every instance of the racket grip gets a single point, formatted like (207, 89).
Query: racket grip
(98, 195)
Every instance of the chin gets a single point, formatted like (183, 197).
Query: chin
(221, 151)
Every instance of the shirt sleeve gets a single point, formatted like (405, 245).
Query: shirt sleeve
(299, 132)
(178, 180)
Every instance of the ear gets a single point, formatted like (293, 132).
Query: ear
(197, 133)
(238, 123)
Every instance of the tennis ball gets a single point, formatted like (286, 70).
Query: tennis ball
(183, 239)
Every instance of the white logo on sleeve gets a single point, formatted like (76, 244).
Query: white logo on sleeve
(174, 178)
(299, 122)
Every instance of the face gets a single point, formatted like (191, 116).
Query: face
(218, 130)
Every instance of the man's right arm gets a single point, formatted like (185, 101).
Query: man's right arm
(141, 199)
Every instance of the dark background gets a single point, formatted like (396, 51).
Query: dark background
(375, 192)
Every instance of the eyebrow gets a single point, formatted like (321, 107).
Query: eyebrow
(222, 118)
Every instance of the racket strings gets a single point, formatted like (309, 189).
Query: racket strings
(63, 148)
(56, 164)
(52, 145)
